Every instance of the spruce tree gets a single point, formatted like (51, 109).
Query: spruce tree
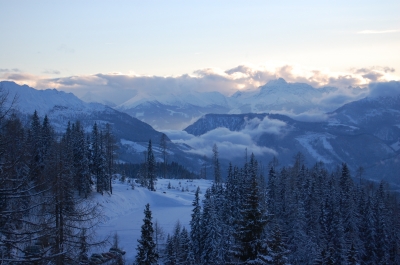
(253, 221)
(146, 250)
(195, 225)
(217, 171)
(151, 167)
(277, 248)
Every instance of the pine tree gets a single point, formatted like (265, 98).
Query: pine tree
(176, 241)
(380, 217)
(253, 220)
(36, 150)
(109, 154)
(195, 225)
(185, 247)
(146, 250)
(163, 145)
(169, 252)
(151, 167)
(83, 248)
(81, 162)
(217, 171)
(277, 248)
(19, 199)
(212, 252)
(65, 213)
(97, 159)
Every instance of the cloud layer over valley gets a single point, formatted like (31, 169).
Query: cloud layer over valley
(231, 144)
(116, 88)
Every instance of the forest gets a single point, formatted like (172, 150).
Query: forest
(45, 216)
(295, 215)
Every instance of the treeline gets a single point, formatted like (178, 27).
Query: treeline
(171, 170)
(298, 216)
(44, 180)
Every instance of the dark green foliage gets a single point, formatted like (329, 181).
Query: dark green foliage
(151, 167)
(146, 250)
(325, 218)
(195, 224)
(41, 216)
(253, 219)
(173, 170)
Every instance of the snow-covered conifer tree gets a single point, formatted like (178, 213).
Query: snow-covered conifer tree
(146, 249)
(151, 167)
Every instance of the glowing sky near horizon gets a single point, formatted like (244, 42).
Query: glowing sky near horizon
(65, 38)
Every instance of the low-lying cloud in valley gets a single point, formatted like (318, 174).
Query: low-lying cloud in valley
(231, 144)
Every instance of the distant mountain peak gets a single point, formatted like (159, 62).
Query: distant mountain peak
(277, 82)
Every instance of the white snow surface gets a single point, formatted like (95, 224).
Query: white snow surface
(138, 147)
(46, 101)
(195, 98)
(123, 210)
(309, 140)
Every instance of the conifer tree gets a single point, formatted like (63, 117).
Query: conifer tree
(36, 150)
(195, 225)
(109, 154)
(146, 250)
(169, 252)
(151, 167)
(211, 232)
(81, 162)
(97, 159)
(253, 221)
(277, 249)
(185, 247)
(217, 171)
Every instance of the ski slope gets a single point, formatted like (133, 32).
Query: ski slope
(123, 210)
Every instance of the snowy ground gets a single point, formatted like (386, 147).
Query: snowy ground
(123, 209)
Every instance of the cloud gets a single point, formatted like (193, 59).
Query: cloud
(51, 72)
(387, 89)
(231, 144)
(378, 31)
(118, 88)
(175, 135)
(6, 70)
(255, 126)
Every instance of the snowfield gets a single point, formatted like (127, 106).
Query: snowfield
(123, 210)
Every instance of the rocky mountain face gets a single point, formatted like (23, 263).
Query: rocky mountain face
(364, 133)
(60, 107)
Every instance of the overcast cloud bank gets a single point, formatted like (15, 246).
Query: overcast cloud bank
(118, 88)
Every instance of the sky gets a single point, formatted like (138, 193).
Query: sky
(79, 46)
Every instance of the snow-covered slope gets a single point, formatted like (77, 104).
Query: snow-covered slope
(123, 210)
(61, 107)
(169, 99)
(44, 101)
(362, 133)
(170, 111)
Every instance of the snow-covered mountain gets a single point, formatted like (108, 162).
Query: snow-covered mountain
(363, 133)
(170, 111)
(278, 95)
(175, 111)
(132, 134)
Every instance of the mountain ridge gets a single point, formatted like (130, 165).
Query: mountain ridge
(350, 135)
(165, 110)
(61, 107)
